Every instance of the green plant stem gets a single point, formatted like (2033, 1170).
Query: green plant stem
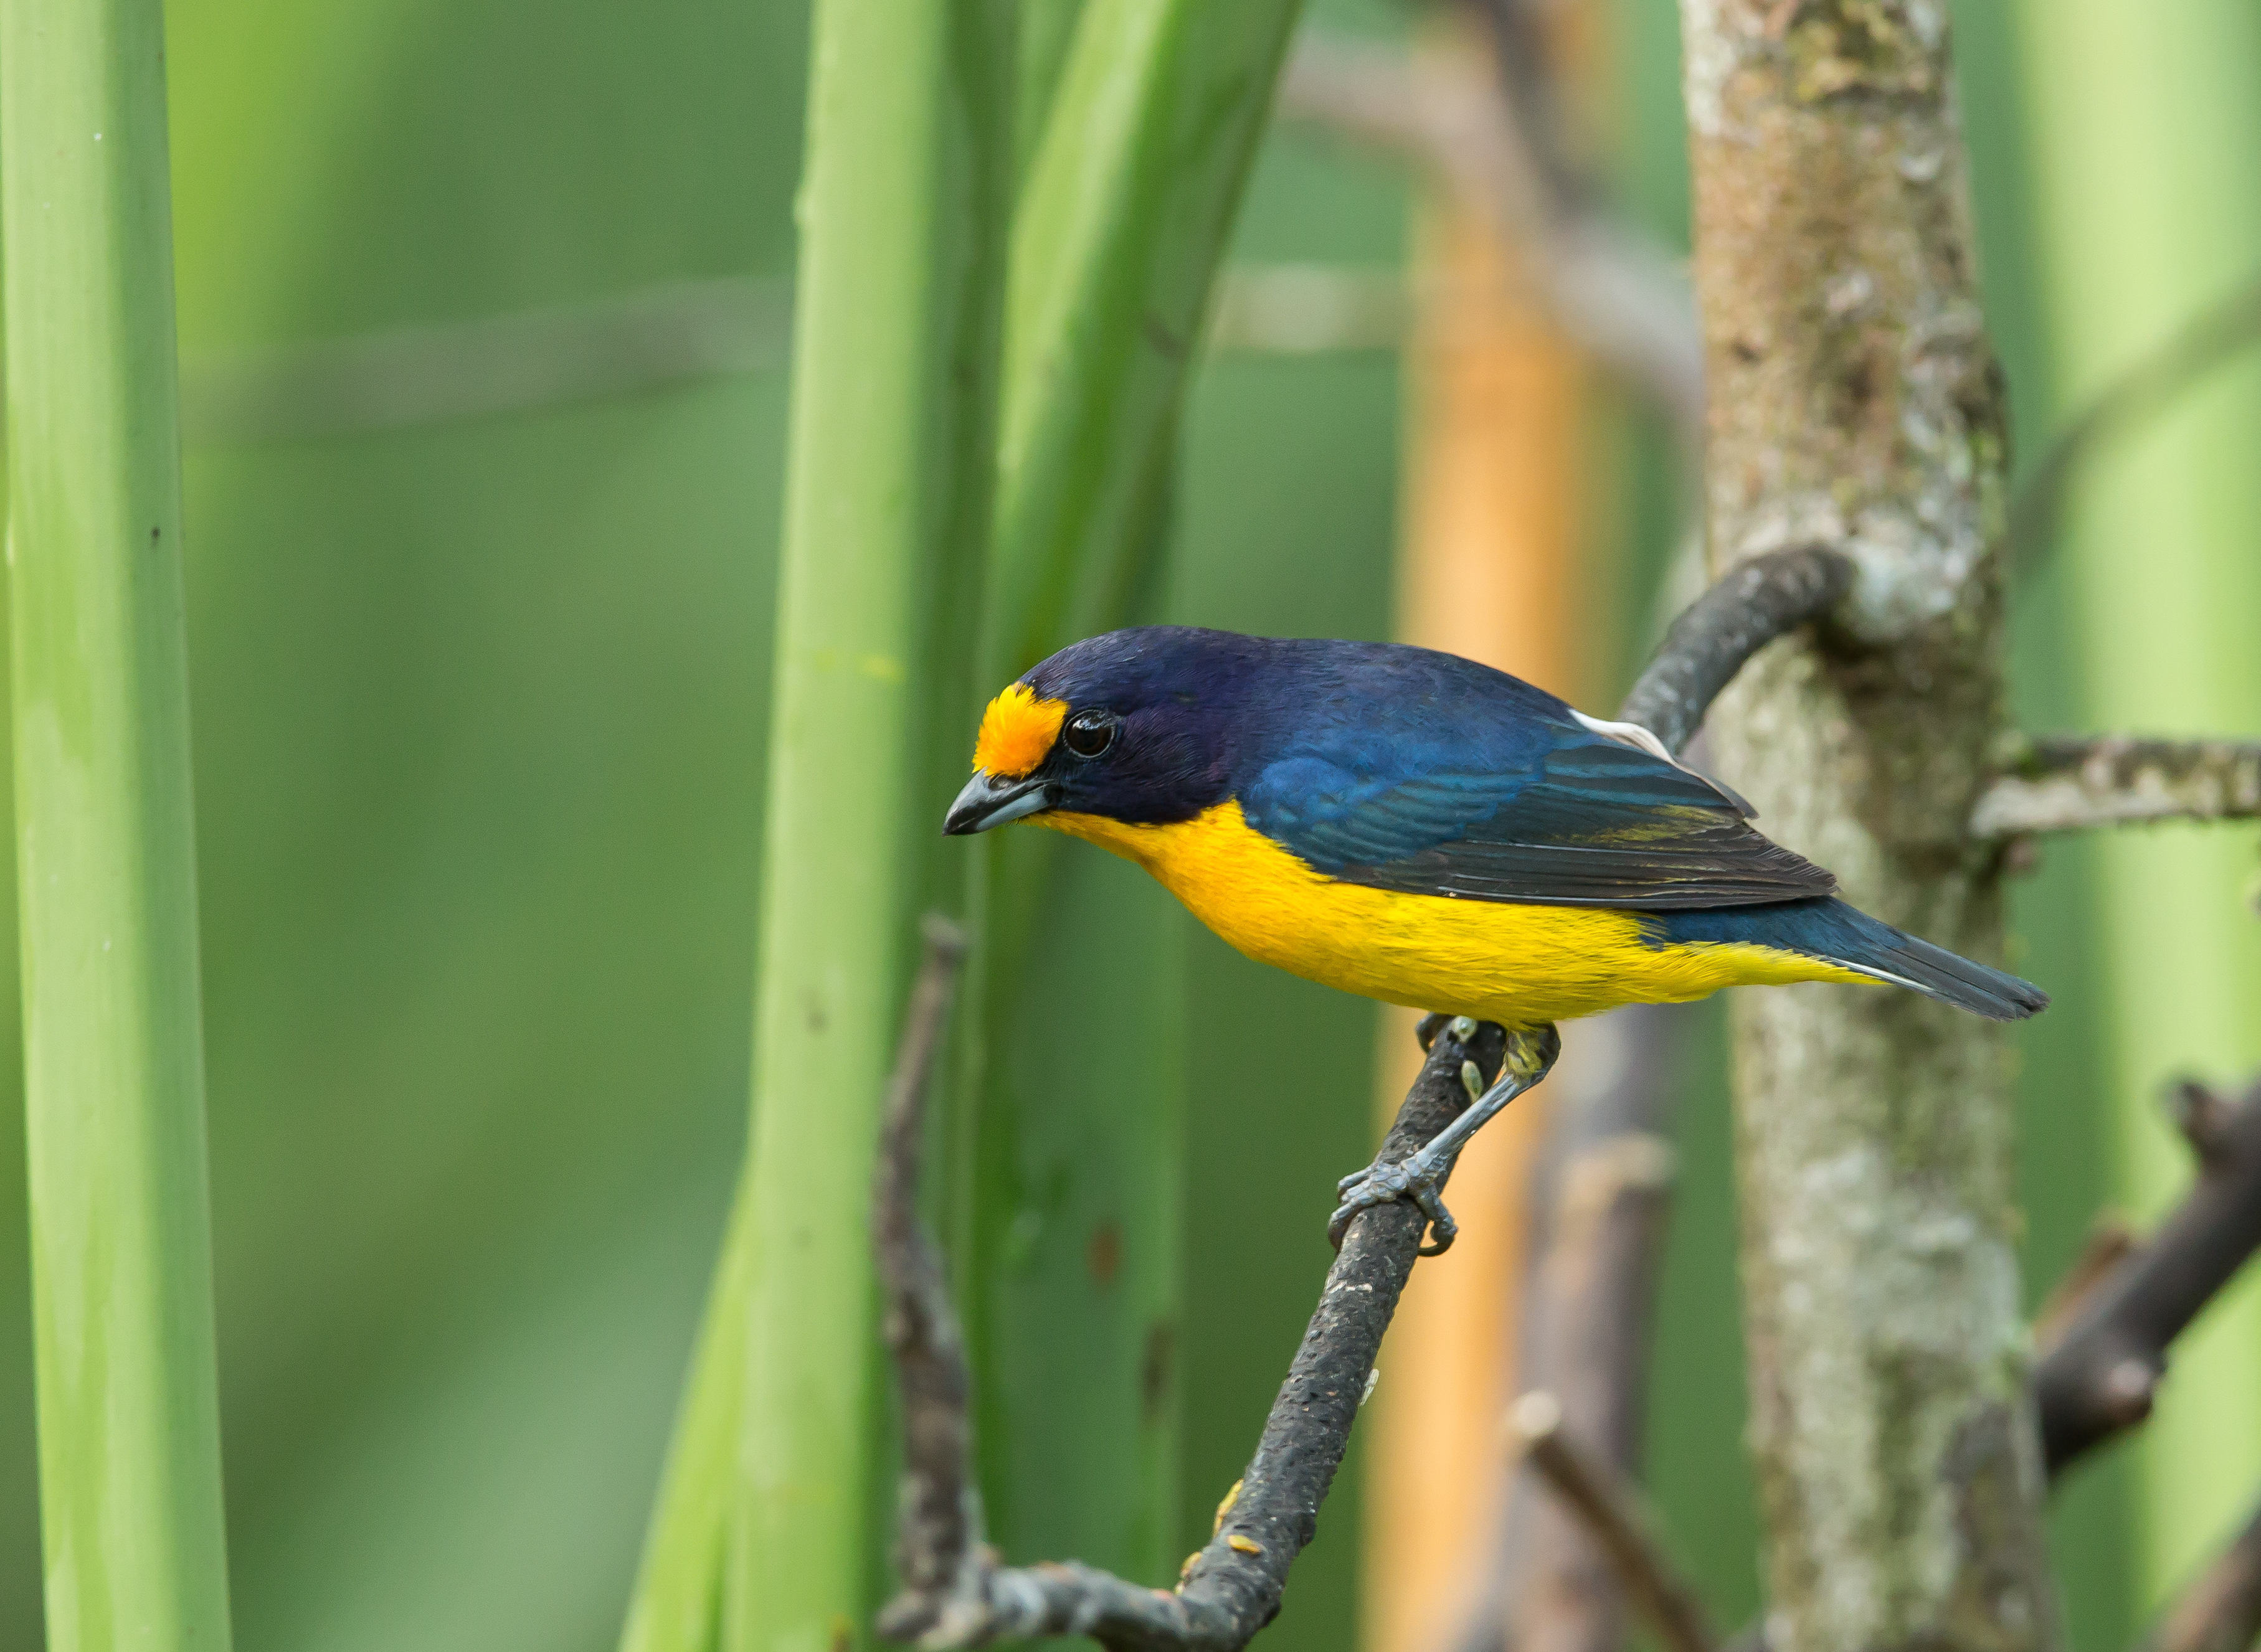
(1116, 248)
(903, 210)
(121, 1262)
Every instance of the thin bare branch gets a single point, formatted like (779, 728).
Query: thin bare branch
(939, 1531)
(627, 345)
(955, 1593)
(1376, 95)
(2064, 783)
(1609, 288)
(2221, 1611)
(2101, 1376)
(1616, 1517)
(1615, 289)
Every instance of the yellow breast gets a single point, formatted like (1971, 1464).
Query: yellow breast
(1497, 960)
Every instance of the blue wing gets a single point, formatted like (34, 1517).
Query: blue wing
(1530, 809)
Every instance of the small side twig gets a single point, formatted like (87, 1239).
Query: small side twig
(2066, 783)
(939, 1522)
(2221, 1611)
(2099, 1377)
(955, 1591)
(1618, 1518)
(1763, 599)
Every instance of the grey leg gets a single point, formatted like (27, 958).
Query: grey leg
(1531, 1053)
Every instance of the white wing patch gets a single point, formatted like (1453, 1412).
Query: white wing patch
(1634, 734)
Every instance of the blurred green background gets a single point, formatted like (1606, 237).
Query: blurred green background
(478, 706)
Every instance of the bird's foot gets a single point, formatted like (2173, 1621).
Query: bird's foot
(1385, 1183)
(1531, 1052)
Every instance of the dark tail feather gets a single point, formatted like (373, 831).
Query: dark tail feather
(1972, 986)
(1823, 926)
(1883, 950)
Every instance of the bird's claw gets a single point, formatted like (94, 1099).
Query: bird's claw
(1379, 1183)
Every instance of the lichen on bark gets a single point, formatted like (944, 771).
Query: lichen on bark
(1854, 402)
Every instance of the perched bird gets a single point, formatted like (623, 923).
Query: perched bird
(1416, 827)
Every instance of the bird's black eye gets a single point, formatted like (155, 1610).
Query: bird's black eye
(1089, 734)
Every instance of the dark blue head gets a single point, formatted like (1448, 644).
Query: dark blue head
(1143, 725)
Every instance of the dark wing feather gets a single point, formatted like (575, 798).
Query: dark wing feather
(1582, 820)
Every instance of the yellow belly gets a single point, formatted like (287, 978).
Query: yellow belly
(1495, 960)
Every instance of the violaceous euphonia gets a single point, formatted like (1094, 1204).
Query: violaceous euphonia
(1416, 827)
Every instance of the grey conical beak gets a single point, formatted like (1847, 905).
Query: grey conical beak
(989, 801)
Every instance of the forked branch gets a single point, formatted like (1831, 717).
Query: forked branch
(1763, 599)
(1607, 286)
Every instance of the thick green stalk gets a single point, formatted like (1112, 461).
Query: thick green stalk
(678, 1592)
(1071, 1171)
(903, 210)
(121, 1261)
(1047, 33)
(1115, 246)
(2145, 126)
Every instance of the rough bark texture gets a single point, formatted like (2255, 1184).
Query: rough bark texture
(1855, 406)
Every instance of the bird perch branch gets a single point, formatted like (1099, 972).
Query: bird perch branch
(954, 1591)
(2099, 1376)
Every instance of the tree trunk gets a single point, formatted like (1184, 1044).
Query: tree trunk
(1854, 402)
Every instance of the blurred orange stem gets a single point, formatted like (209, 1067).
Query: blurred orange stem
(1495, 399)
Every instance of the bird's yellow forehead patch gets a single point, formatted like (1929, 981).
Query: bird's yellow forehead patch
(1017, 730)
